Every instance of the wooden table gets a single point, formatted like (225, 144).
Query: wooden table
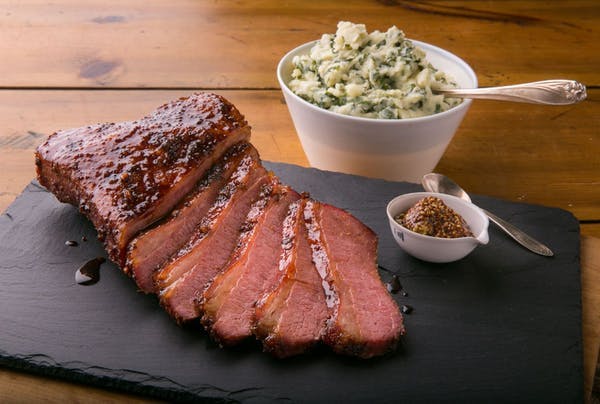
(68, 63)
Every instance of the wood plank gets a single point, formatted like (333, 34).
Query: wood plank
(590, 229)
(186, 43)
(533, 154)
(20, 387)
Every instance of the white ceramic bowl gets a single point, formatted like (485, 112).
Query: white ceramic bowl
(436, 249)
(398, 149)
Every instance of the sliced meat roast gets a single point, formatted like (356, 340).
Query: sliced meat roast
(253, 270)
(293, 318)
(153, 247)
(367, 321)
(124, 176)
(331, 290)
(183, 204)
(181, 282)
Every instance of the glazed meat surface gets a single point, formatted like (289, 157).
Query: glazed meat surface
(153, 247)
(124, 176)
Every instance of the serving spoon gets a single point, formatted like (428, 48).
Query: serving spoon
(548, 92)
(439, 183)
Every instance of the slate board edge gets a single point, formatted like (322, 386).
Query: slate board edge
(125, 384)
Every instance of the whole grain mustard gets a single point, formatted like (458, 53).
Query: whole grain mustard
(432, 217)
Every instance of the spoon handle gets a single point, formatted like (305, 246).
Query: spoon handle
(549, 92)
(525, 240)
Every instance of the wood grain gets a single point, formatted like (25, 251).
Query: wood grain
(523, 153)
(20, 387)
(187, 43)
(532, 154)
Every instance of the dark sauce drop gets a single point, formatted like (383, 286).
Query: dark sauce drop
(406, 309)
(89, 273)
(394, 286)
(71, 243)
(83, 238)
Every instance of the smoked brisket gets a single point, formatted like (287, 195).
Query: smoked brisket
(366, 321)
(184, 205)
(125, 176)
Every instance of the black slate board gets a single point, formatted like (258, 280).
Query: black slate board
(501, 325)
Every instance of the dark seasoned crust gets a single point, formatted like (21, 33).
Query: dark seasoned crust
(124, 176)
(153, 247)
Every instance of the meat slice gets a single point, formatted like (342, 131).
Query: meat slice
(293, 318)
(124, 176)
(152, 248)
(181, 282)
(367, 321)
(253, 270)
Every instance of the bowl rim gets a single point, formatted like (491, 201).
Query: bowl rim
(420, 195)
(424, 45)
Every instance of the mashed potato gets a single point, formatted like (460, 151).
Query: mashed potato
(377, 75)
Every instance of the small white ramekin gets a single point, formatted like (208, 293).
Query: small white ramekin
(436, 249)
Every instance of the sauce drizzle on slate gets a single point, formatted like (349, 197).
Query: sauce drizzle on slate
(89, 273)
(394, 286)
(406, 309)
(71, 243)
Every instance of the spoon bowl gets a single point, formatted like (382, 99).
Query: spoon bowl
(439, 183)
(434, 182)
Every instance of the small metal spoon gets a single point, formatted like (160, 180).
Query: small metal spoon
(549, 92)
(433, 182)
